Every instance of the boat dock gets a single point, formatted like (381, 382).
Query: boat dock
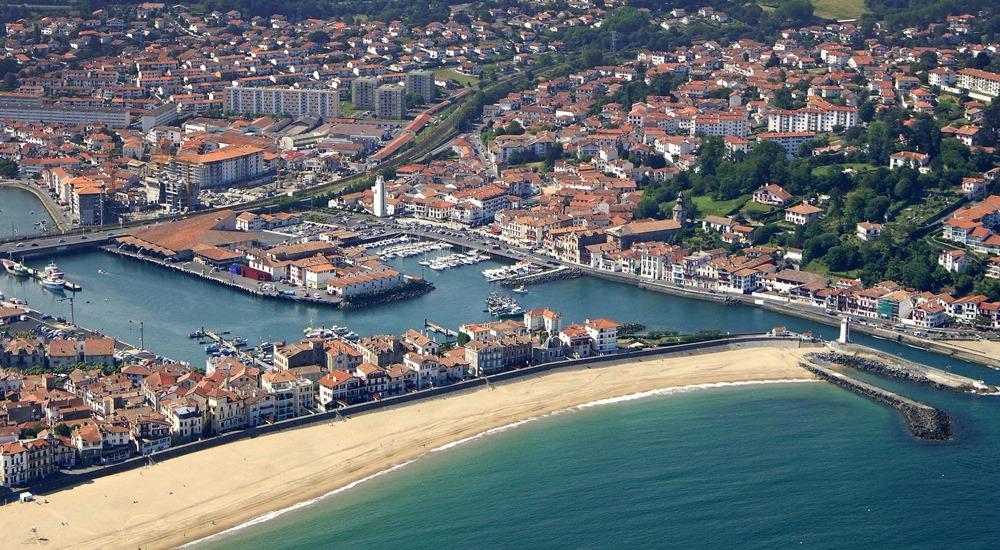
(39, 275)
(434, 327)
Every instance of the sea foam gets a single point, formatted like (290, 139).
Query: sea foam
(591, 404)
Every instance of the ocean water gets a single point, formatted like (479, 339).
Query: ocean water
(759, 466)
(764, 466)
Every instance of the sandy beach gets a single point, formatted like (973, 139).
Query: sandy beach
(188, 498)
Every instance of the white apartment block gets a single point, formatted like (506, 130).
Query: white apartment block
(821, 116)
(980, 82)
(295, 102)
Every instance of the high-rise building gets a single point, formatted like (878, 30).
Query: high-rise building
(390, 102)
(421, 83)
(363, 92)
(294, 102)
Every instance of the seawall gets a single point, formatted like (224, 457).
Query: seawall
(698, 348)
(923, 421)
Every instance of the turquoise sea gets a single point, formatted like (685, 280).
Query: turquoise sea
(760, 466)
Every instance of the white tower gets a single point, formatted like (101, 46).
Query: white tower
(845, 330)
(378, 198)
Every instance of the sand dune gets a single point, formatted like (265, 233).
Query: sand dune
(191, 497)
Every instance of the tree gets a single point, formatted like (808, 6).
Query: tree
(463, 339)
(27, 433)
(63, 430)
(319, 37)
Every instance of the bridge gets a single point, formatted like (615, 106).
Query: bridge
(49, 245)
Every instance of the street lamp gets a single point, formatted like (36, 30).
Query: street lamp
(142, 333)
(72, 309)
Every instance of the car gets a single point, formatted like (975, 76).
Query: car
(62, 240)
(34, 244)
(83, 237)
(19, 245)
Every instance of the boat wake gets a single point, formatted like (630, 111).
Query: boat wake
(492, 431)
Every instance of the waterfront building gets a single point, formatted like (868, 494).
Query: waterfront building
(381, 349)
(23, 462)
(294, 102)
(293, 396)
(339, 387)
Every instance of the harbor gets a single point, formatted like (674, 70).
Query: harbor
(51, 277)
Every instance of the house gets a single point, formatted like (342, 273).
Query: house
(802, 214)
(339, 387)
(953, 260)
(603, 335)
(771, 194)
(867, 231)
(909, 159)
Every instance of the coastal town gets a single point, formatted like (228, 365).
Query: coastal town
(839, 171)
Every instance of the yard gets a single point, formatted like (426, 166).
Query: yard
(839, 9)
(828, 169)
(452, 74)
(709, 206)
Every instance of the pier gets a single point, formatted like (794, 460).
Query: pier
(434, 327)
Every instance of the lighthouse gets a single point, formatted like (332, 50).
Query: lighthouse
(845, 330)
(378, 198)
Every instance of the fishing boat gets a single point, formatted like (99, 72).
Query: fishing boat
(520, 290)
(53, 282)
(16, 269)
(52, 270)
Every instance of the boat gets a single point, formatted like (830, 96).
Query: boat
(520, 290)
(52, 270)
(16, 269)
(53, 282)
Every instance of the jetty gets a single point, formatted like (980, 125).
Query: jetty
(869, 360)
(434, 327)
(922, 420)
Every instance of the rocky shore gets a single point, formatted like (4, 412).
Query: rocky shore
(412, 290)
(922, 420)
(560, 274)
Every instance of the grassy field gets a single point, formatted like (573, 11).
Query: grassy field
(708, 206)
(839, 9)
(452, 74)
(347, 109)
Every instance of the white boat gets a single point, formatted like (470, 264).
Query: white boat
(53, 283)
(520, 290)
(16, 269)
(53, 271)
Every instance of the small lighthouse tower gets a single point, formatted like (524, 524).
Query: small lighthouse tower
(378, 198)
(845, 330)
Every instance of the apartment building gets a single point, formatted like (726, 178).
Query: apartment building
(421, 83)
(223, 167)
(363, 92)
(295, 102)
(979, 82)
(390, 102)
(818, 116)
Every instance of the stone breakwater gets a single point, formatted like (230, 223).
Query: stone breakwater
(412, 290)
(558, 274)
(904, 370)
(923, 421)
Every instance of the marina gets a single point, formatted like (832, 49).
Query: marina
(51, 277)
